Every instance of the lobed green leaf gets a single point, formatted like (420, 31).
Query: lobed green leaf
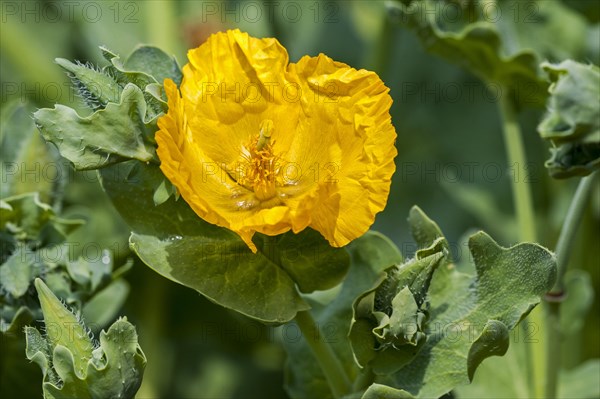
(72, 367)
(572, 123)
(111, 135)
(474, 42)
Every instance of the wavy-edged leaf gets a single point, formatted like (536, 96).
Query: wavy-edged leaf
(63, 328)
(72, 366)
(111, 135)
(466, 318)
(472, 41)
(147, 67)
(154, 62)
(572, 123)
(394, 311)
(508, 284)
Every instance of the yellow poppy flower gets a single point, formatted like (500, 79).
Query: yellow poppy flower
(257, 144)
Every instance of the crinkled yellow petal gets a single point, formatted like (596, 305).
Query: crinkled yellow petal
(356, 151)
(331, 147)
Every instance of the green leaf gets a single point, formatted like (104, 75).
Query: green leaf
(64, 329)
(17, 272)
(118, 364)
(146, 67)
(72, 367)
(572, 124)
(369, 256)
(20, 319)
(378, 391)
(493, 341)
(472, 41)
(111, 135)
(38, 351)
(225, 271)
(508, 284)
(307, 258)
(464, 319)
(395, 309)
(96, 87)
(424, 230)
(27, 218)
(115, 371)
(63, 362)
(154, 62)
(178, 244)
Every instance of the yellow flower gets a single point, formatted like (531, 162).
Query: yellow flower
(257, 144)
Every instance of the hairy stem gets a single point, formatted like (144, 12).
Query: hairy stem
(564, 247)
(383, 47)
(334, 373)
(566, 239)
(552, 348)
(517, 160)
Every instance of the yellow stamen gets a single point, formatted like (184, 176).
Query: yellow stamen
(259, 173)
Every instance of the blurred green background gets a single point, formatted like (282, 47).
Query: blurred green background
(451, 161)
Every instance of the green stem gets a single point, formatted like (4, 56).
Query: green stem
(564, 247)
(523, 203)
(383, 48)
(552, 348)
(516, 158)
(334, 373)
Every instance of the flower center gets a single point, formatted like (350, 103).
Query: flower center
(260, 170)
